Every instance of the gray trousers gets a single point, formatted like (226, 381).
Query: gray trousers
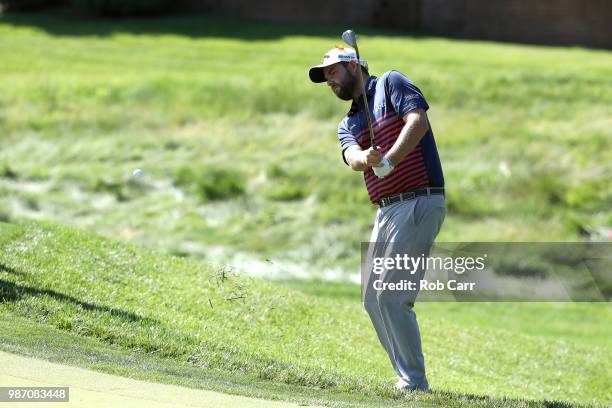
(406, 227)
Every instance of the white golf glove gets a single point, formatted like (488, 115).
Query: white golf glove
(384, 169)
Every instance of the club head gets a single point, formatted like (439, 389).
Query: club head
(350, 38)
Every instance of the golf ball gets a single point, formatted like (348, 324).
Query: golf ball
(137, 173)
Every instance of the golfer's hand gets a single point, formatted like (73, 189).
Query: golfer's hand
(372, 157)
(383, 168)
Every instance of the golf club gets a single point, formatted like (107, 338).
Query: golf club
(350, 38)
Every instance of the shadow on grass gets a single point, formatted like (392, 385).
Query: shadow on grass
(63, 23)
(8, 269)
(484, 400)
(12, 292)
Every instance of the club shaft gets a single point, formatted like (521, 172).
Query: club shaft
(365, 99)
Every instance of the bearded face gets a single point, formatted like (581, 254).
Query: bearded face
(342, 81)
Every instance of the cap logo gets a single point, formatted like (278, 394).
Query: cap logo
(341, 55)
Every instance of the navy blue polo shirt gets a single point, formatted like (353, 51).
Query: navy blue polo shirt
(390, 97)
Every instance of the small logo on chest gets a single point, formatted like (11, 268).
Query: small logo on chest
(380, 107)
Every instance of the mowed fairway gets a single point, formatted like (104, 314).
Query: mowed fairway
(88, 388)
(241, 162)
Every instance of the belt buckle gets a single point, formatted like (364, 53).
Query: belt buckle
(408, 196)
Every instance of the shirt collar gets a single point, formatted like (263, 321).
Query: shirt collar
(370, 87)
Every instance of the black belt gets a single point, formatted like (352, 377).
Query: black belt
(410, 195)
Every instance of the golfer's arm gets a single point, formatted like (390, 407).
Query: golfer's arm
(415, 128)
(354, 157)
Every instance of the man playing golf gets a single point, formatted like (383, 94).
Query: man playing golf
(403, 176)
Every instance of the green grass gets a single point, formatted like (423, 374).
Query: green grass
(84, 102)
(22, 336)
(314, 336)
(242, 167)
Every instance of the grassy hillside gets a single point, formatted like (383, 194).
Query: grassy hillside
(239, 149)
(216, 320)
(242, 167)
